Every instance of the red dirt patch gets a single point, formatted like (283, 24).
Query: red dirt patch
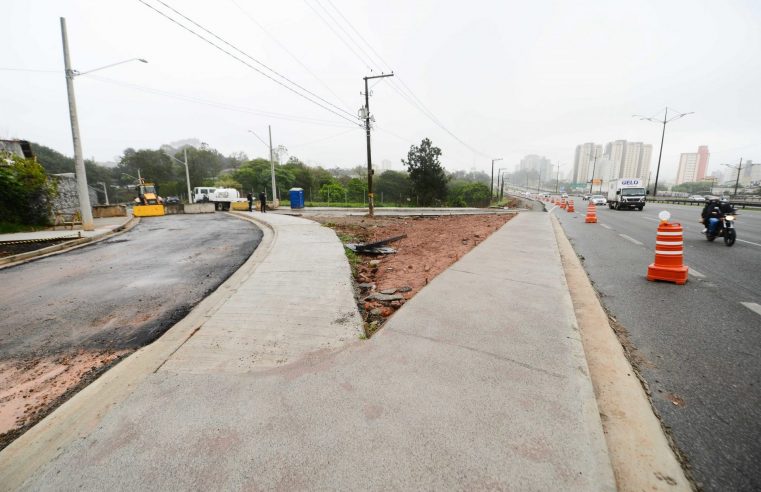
(431, 246)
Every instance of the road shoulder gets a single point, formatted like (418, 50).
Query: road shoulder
(640, 452)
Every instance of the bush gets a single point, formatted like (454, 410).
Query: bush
(27, 192)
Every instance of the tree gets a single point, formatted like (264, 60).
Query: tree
(356, 190)
(429, 181)
(393, 185)
(332, 192)
(27, 193)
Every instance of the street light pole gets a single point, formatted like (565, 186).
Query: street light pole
(79, 163)
(187, 173)
(594, 165)
(663, 136)
(105, 191)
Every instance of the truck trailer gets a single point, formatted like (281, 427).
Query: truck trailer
(626, 193)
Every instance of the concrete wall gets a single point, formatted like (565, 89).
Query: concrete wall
(174, 208)
(100, 211)
(199, 208)
(67, 200)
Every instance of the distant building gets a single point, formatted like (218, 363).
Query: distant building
(692, 166)
(750, 174)
(584, 161)
(536, 163)
(385, 165)
(620, 159)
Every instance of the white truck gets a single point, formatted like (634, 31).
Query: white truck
(220, 197)
(626, 193)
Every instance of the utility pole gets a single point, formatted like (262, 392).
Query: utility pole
(187, 174)
(79, 163)
(370, 194)
(492, 178)
(739, 168)
(272, 165)
(594, 165)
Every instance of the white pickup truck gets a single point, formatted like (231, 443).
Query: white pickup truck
(220, 197)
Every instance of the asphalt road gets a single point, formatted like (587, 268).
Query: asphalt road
(121, 293)
(698, 345)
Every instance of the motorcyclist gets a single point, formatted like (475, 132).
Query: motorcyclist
(713, 211)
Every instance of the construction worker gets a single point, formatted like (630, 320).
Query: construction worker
(263, 202)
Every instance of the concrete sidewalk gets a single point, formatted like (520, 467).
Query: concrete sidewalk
(479, 382)
(102, 226)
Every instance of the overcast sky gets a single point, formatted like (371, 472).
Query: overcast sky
(508, 78)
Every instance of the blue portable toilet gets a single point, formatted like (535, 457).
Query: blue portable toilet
(297, 197)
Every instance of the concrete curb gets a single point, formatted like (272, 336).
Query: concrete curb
(80, 415)
(21, 258)
(640, 452)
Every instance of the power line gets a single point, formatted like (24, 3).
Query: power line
(412, 99)
(217, 104)
(251, 57)
(329, 137)
(284, 48)
(249, 65)
(362, 61)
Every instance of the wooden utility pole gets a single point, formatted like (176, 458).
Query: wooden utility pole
(370, 195)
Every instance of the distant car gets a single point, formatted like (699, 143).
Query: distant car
(564, 195)
(170, 200)
(598, 200)
(585, 197)
(697, 198)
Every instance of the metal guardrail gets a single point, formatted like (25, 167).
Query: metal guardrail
(684, 201)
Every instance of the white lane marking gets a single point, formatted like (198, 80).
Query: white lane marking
(696, 273)
(752, 306)
(606, 226)
(628, 238)
(651, 218)
(744, 241)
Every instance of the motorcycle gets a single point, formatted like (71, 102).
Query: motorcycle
(725, 228)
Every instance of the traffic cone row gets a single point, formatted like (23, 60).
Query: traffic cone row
(669, 264)
(591, 214)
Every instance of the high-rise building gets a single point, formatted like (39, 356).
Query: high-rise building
(585, 160)
(536, 163)
(628, 159)
(621, 159)
(703, 156)
(692, 166)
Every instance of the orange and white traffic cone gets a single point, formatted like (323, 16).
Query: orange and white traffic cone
(563, 203)
(669, 264)
(591, 214)
(570, 208)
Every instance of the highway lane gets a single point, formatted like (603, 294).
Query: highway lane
(697, 345)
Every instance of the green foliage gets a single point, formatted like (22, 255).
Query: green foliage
(27, 192)
(356, 190)
(693, 187)
(53, 161)
(332, 192)
(227, 181)
(429, 181)
(392, 186)
(468, 194)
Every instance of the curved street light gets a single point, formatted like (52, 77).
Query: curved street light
(665, 120)
(79, 162)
